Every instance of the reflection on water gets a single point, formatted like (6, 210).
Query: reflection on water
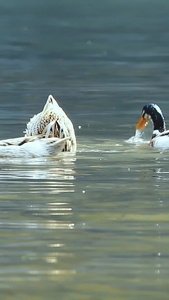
(93, 225)
(99, 216)
(29, 224)
(36, 175)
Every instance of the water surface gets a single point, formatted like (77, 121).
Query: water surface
(93, 225)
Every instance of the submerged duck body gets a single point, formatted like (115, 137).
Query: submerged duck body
(160, 136)
(47, 133)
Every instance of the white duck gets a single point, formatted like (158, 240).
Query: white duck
(47, 133)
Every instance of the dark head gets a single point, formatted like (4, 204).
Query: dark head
(154, 113)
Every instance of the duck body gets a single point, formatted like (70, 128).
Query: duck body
(35, 148)
(160, 136)
(161, 140)
(47, 133)
(52, 122)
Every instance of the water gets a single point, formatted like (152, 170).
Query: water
(92, 225)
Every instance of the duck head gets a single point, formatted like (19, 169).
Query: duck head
(152, 112)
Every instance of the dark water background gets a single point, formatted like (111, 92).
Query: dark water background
(94, 225)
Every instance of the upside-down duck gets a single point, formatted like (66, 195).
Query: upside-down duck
(48, 133)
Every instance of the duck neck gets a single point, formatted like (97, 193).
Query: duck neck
(158, 121)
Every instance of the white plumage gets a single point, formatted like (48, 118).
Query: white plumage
(47, 133)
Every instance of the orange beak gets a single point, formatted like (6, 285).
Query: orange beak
(142, 124)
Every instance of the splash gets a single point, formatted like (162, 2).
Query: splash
(137, 139)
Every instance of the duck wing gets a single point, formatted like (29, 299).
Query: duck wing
(35, 147)
(19, 141)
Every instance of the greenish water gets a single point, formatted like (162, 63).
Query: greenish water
(92, 225)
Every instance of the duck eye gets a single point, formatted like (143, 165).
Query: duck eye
(146, 116)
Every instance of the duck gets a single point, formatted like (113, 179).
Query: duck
(47, 133)
(160, 136)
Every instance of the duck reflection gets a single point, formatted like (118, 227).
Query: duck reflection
(47, 176)
(38, 205)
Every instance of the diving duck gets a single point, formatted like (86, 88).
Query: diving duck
(47, 133)
(160, 136)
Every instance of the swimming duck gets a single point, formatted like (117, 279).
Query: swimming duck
(47, 133)
(160, 136)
